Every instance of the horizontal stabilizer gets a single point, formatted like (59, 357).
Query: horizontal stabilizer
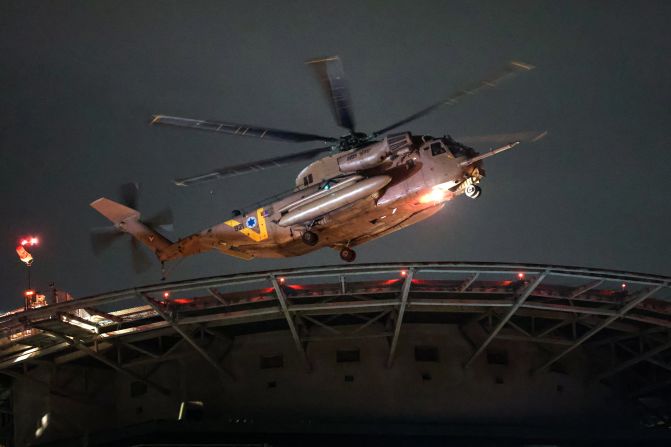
(115, 212)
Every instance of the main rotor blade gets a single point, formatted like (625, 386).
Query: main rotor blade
(332, 78)
(251, 167)
(530, 136)
(509, 71)
(244, 130)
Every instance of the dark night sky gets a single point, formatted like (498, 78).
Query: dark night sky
(80, 81)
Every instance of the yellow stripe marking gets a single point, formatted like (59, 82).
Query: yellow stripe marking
(259, 236)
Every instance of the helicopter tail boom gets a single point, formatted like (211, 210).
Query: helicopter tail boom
(128, 220)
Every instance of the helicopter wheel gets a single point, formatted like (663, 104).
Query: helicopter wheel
(473, 191)
(347, 254)
(310, 238)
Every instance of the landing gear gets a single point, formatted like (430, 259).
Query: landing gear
(472, 191)
(310, 238)
(347, 254)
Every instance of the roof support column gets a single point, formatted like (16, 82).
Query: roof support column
(405, 291)
(154, 305)
(281, 297)
(604, 324)
(519, 300)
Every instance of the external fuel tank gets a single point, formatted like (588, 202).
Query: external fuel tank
(333, 201)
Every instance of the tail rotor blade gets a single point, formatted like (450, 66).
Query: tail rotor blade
(130, 195)
(161, 219)
(102, 238)
(140, 260)
(332, 78)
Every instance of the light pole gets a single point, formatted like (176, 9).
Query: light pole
(24, 254)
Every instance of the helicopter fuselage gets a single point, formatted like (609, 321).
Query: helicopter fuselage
(347, 198)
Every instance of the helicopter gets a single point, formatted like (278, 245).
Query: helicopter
(364, 187)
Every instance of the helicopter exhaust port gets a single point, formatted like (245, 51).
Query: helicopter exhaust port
(472, 191)
(310, 238)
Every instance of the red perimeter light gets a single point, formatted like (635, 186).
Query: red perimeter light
(404, 273)
(282, 279)
(166, 294)
(624, 286)
(520, 275)
(29, 292)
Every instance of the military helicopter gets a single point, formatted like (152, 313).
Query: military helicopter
(366, 187)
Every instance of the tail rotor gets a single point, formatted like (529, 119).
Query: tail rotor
(102, 238)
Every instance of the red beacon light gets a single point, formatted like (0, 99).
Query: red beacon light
(520, 275)
(624, 286)
(404, 273)
(30, 240)
(281, 279)
(166, 295)
(28, 293)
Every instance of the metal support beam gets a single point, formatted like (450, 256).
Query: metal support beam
(467, 283)
(102, 359)
(216, 295)
(604, 324)
(631, 362)
(138, 349)
(281, 297)
(154, 305)
(519, 300)
(405, 291)
(584, 288)
(371, 321)
(322, 325)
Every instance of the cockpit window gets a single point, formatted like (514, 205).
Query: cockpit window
(457, 150)
(437, 148)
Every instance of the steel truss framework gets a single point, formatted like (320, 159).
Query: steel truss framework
(624, 317)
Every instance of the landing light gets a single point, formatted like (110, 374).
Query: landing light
(435, 195)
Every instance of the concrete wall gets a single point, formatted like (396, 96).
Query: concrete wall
(410, 391)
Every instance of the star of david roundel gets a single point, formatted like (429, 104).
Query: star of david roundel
(250, 222)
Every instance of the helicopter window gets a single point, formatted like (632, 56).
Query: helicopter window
(457, 150)
(437, 148)
(307, 180)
